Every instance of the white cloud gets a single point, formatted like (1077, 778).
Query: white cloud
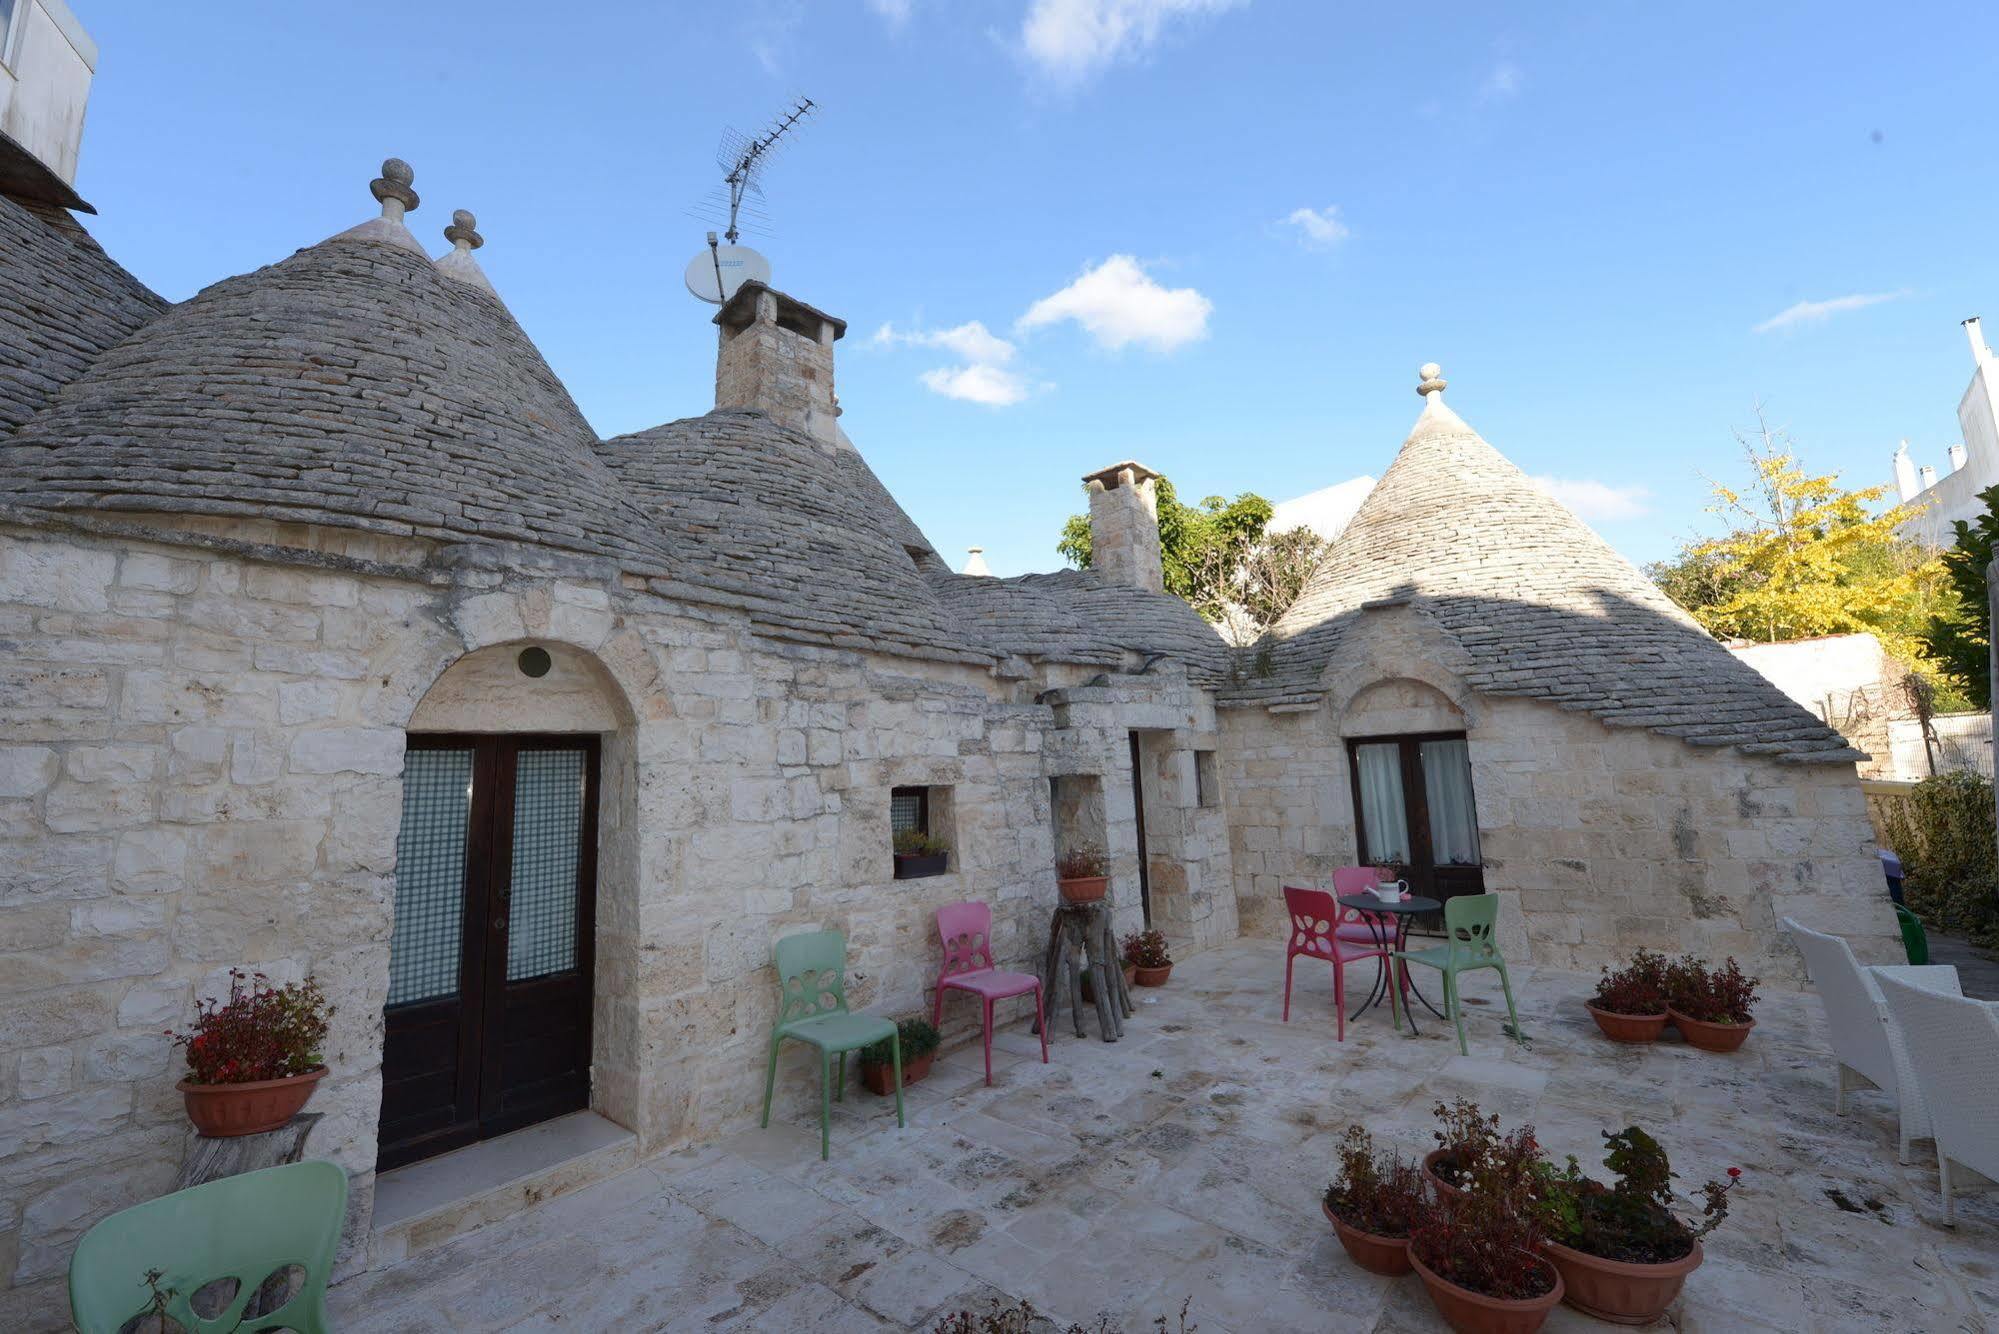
(994, 386)
(1119, 303)
(893, 12)
(1073, 39)
(1595, 500)
(1818, 312)
(970, 340)
(1501, 82)
(1319, 227)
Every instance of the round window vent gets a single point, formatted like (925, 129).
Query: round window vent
(535, 661)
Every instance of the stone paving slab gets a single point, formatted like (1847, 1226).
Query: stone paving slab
(1184, 1164)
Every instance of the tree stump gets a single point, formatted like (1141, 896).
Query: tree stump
(212, 1159)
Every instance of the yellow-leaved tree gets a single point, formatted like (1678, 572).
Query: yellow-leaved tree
(1806, 556)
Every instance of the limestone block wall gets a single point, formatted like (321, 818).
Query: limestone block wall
(200, 767)
(1601, 839)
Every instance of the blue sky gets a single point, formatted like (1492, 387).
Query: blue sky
(1218, 238)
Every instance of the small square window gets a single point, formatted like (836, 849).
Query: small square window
(1207, 787)
(919, 824)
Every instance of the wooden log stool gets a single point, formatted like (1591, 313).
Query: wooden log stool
(1080, 934)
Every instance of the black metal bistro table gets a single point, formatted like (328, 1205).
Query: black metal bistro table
(1408, 906)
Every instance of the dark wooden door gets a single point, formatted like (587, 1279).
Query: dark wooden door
(1414, 812)
(1138, 808)
(487, 1026)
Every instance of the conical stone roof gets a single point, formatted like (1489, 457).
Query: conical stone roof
(1542, 606)
(351, 385)
(798, 532)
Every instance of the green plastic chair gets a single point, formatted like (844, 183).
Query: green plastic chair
(1915, 941)
(246, 1228)
(1468, 926)
(812, 1007)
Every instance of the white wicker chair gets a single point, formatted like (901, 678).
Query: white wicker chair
(1867, 1045)
(1953, 1043)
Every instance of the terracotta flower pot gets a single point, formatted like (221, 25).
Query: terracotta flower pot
(1613, 1290)
(1375, 1254)
(1151, 977)
(1471, 1312)
(1628, 1027)
(1445, 1190)
(881, 1078)
(222, 1110)
(1710, 1037)
(1084, 888)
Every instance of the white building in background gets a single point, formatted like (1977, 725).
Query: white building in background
(1974, 465)
(1324, 511)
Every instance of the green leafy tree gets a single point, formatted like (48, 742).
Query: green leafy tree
(1219, 557)
(1805, 556)
(1958, 640)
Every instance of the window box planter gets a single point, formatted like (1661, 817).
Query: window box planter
(1618, 1291)
(1471, 1312)
(1628, 1027)
(915, 866)
(1388, 1256)
(880, 1079)
(1710, 1037)
(220, 1111)
(1083, 888)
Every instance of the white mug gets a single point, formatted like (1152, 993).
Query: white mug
(1392, 891)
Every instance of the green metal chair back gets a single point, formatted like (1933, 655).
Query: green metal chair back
(811, 976)
(248, 1228)
(1469, 920)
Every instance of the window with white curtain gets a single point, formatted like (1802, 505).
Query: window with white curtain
(1383, 811)
(1447, 790)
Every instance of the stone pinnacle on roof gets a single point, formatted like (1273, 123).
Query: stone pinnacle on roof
(1433, 381)
(460, 233)
(392, 190)
(457, 262)
(975, 563)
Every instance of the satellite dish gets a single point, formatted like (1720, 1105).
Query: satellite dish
(716, 273)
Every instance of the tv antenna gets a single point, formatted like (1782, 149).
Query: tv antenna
(715, 275)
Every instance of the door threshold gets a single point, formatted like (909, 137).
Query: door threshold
(422, 1205)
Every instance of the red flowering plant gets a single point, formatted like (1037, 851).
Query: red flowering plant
(1486, 1239)
(1721, 995)
(1639, 987)
(1631, 1220)
(260, 1032)
(1147, 949)
(1378, 1193)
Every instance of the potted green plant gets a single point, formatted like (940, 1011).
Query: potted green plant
(1621, 1250)
(1150, 961)
(1710, 1006)
(1478, 1251)
(1374, 1204)
(253, 1060)
(1082, 875)
(919, 1038)
(1630, 1002)
(1464, 1135)
(919, 854)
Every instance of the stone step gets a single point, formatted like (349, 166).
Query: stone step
(427, 1204)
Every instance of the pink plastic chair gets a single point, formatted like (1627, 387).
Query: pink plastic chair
(1314, 914)
(967, 932)
(1354, 925)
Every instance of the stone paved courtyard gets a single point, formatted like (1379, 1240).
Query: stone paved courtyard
(1186, 1162)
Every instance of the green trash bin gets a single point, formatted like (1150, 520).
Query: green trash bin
(1914, 942)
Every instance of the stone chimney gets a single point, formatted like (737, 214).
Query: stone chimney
(1124, 526)
(776, 354)
(1957, 457)
(1980, 353)
(47, 61)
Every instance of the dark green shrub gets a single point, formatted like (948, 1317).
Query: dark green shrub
(1943, 832)
(919, 1038)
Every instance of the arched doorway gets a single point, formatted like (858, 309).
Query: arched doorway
(487, 1025)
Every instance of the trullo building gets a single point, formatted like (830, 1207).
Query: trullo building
(322, 601)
